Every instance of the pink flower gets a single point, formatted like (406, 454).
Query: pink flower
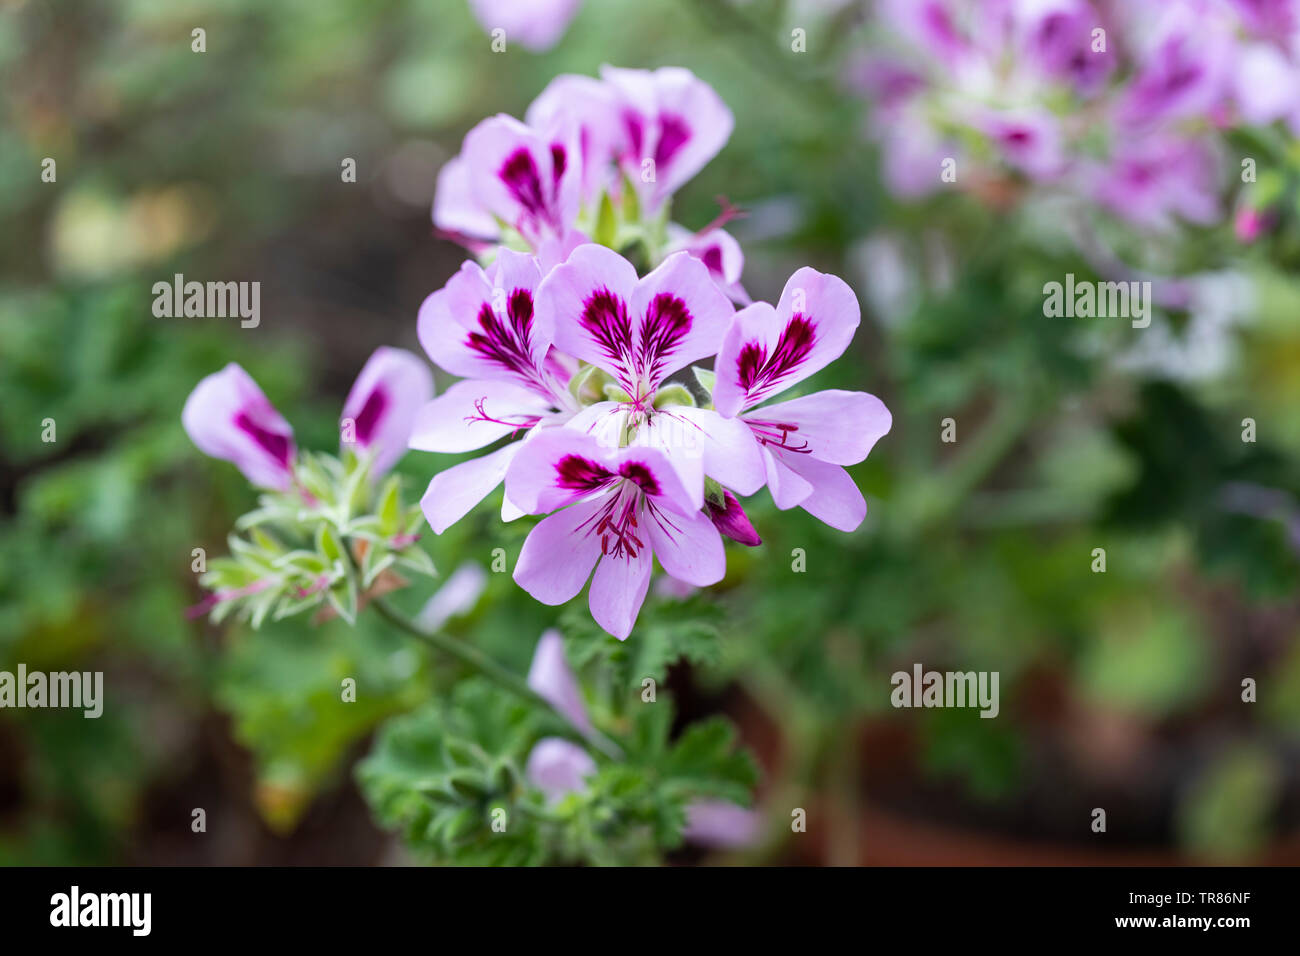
(381, 407)
(640, 331)
(1156, 178)
(558, 767)
(614, 510)
(484, 325)
(719, 252)
(228, 417)
(534, 24)
(527, 178)
(672, 122)
(805, 441)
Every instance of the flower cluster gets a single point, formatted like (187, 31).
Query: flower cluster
(568, 352)
(594, 160)
(1123, 103)
(294, 558)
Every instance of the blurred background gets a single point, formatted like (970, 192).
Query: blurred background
(1120, 690)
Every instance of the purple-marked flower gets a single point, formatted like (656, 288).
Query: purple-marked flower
(552, 678)
(485, 326)
(591, 107)
(805, 441)
(640, 331)
(720, 824)
(1184, 61)
(558, 767)
(1154, 179)
(534, 24)
(672, 123)
(381, 407)
(614, 509)
(510, 173)
(1057, 35)
(228, 417)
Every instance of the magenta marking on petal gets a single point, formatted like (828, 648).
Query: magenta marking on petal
(673, 135)
(667, 321)
(712, 259)
(575, 473)
(635, 132)
(640, 475)
(758, 371)
(559, 162)
(367, 420)
(508, 343)
(730, 519)
(519, 173)
(604, 316)
(277, 446)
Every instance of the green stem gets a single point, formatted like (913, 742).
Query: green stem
(482, 664)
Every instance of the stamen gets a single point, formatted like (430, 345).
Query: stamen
(777, 434)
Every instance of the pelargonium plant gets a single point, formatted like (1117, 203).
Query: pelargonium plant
(617, 395)
(1131, 105)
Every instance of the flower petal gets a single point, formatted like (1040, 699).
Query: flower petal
(618, 589)
(588, 300)
(475, 413)
(718, 823)
(527, 178)
(835, 498)
(729, 454)
(228, 417)
(453, 493)
(484, 324)
(382, 406)
(454, 208)
(558, 554)
(767, 350)
(833, 425)
(688, 547)
(787, 487)
(552, 678)
(679, 316)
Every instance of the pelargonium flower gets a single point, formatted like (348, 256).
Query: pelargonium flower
(639, 331)
(510, 174)
(805, 441)
(610, 510)
(484, 325)
(229, 417)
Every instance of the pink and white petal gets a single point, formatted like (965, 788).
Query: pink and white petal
(593, 107)
(833, 425)
(835, 497)
(484, 325)
(788, 488)
(552, 678)
(588, 300)
(731, 455)
(679, 316)
(229, 417)
(454, 208)
(766, 351)
(618, 589)
(383, 404)
(558, 554)
(688, 547)
(453, 493)
(603, 421)
(474, 413)
(512, 174)
(558, 767)
(557, 466)
(694, 124)
(536, 25)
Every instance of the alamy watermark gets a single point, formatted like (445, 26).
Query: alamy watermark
(76, 689)
(1101, 300)
(946, 689)
(208, 300)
